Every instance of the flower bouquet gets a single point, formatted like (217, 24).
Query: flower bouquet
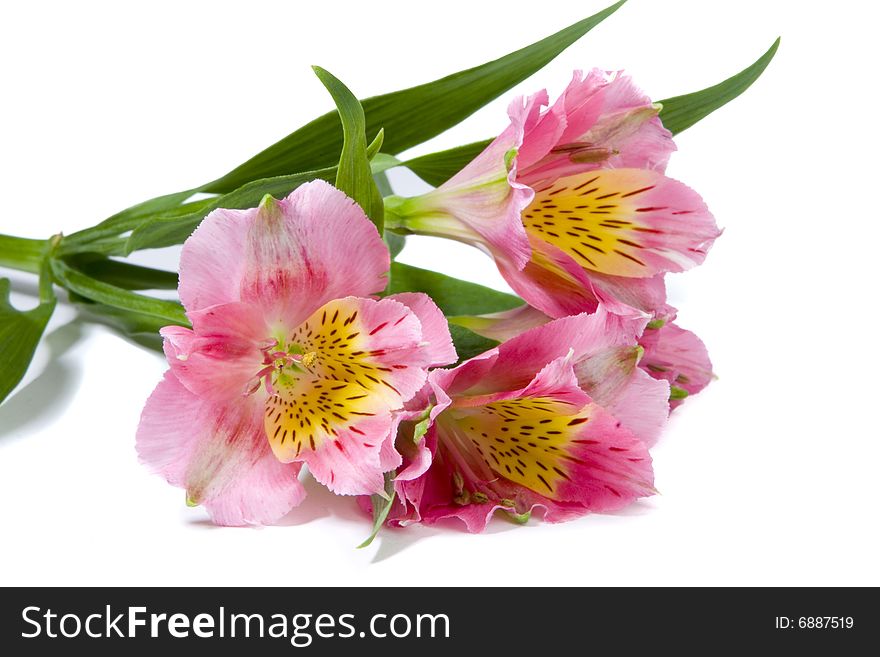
(299, 340)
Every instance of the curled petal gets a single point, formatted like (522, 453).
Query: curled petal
(512, 365)
(416, 456)
(608, 123)
(642, 406)
(220, 357)
(541, 130)
(218, 453)
(436, 340)
(352, 463)
(678, 356)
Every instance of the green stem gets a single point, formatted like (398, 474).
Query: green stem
(21, 253)
(75, 281)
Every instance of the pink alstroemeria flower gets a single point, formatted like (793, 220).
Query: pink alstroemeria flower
(559, 418)
(577, 210)
(289, 360)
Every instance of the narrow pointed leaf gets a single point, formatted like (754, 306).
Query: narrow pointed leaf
(394, 242)
(436, 168)
(681, 112)
(174, 227)
(171, 229)
(129, 218)
(438, 106)
(678, 114)
(353, 174)
(381, 506)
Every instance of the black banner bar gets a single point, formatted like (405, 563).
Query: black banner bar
(434, 621)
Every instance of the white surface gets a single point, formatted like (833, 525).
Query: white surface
(768, 477)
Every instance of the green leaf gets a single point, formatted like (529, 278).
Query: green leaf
(169, 311)
(394, 242)
(678, 114)
(381, 506)
(20, 332)
(171, 229)
(410, 116)
(353, 174)
(468, 344)
(436, 168)
(681, 112)
(129, 218)
(174, 227)
(124, 274)
(453, 296)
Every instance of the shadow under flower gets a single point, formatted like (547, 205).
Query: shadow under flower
(321, 503)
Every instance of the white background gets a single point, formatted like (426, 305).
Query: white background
(769, 477)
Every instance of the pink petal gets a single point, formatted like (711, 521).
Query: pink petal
(641, 144)
(642, 406)
(512, 365)
(630, 297)
(584, 335)
(584, 101)
(632, 223)
(613, 467)
(351, 463)
(608, 123)
(551, 282)
(289, 257)
(219, 359)
(474, 373)
(218, 453)
(629, 124)
(362, 360)
(212, 262)
(437, 343)
(678, 356)
(541, 130)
